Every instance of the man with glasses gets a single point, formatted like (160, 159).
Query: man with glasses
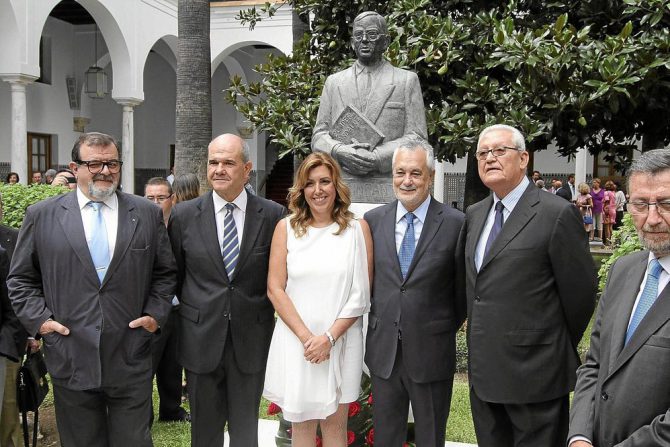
(388, 99)
(531, 285)
(166, 366)
(94, 275)
(623, 389)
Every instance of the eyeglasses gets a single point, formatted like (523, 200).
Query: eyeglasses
(96, 167)
(641, 208)
(496, 152)
(372, 35)
(158, 199)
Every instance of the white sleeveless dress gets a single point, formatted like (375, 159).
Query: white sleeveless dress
(327, 279)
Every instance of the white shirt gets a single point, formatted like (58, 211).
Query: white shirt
(110, 214)
(239, 214)
(509, 202)
(401, 223)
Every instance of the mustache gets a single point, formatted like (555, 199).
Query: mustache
(106, 178)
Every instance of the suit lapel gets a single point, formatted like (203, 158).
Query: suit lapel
(348, 92)
(253, 223)
(127, 223)
(73, 227)
(522, 214)
(623, 306)
(478, 218)
(380, 93)
(430, 228)
(207, 226)
(388, 234)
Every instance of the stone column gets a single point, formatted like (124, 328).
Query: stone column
(19, 138)
(580, 166)
(128, 145)
(438, 183)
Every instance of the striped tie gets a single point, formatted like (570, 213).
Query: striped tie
(407, 246)
(230, 247)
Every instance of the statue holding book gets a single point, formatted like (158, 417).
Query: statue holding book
(367, 110)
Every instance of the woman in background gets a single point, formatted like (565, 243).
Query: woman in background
(609, 211)
(598, 197)
(319, 284)
(185, 187)
(12, 178)
(585, 204)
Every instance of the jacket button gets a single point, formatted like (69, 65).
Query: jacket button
(97, 328)
(477, 299)
(604, 396)
(231, 287)
(225, 314)
(402, 290)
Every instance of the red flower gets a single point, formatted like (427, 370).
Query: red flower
(351, 437)
(318, 441)
(354, 409)
(370, 437)
(273, 409)
(370, 399)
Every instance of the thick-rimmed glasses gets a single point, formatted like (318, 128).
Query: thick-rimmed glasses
(642, 208)
(483, 154)
(158, 199)
(371, 35)
(96, 167)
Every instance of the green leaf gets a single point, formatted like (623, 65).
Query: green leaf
(627, 30)
(582, 121)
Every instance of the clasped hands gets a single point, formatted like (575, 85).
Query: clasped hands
(147, 322)
(317, 348)
(356, 158)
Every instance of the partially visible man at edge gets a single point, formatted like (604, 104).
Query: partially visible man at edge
(93, 274)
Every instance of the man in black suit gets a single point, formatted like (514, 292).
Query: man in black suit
(531, 287)
(563, 191)
(222, 245)
(418, 303)
(93, 274)
(622, 396)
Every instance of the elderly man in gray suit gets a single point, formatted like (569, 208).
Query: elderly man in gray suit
(388, 97)
(531, 288)
(418, 303)
(221, 241)
(622, 396)
(93, 274)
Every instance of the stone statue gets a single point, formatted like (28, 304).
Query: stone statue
(367, 110)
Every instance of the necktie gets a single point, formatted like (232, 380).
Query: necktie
(407, 246)
(497, 226)
(230, 248)
(98, 245)
(647, 298)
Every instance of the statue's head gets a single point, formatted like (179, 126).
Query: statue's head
(369, 37)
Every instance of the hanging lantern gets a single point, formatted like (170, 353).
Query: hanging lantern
(96, 78)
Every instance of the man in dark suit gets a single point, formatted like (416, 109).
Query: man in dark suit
(93, 275)
(563, 191)
(622, 396)
(222, 245)
(531, 287)
(418, 303)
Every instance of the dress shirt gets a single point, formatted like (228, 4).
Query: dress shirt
(110, 213)
(363, 74)
(509, 202)
(239, 214)
(401, 223)
(572, 191)
(663, 281)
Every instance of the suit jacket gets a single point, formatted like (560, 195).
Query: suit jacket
(12, 335)
(395, 106)
(8, 238)
(531, 300)
(53, 276)
(564, 191)
(622, 396)
(210, 301)
(427, 307)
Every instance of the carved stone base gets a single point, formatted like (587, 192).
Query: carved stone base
(370, 189)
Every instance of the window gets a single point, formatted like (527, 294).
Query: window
(39, 152)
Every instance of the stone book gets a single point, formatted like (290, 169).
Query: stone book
(354, 127)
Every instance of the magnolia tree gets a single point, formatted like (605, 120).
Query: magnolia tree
(589, 75)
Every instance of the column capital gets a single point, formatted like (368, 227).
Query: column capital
(18, 78)
(129, 102)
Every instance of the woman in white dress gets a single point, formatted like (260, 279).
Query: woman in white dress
(319, 284)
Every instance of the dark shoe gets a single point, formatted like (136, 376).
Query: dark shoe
(181, 416)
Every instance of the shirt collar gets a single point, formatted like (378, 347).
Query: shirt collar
(111, 201)
(419, 213)
(664, 261)
(240, 201)
(360, 68)
(511, 199)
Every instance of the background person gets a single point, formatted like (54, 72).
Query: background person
(598, 196)
(12, 178)
(36, 178)
(609, 211)
(185, 187)
(316, 353)
(585, 206)
(622, 396)
(65, 177)
(620, 201)
(49, 176)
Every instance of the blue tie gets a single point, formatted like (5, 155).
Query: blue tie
(647, 298)
(497, 226)
(98, 245)
(407, 246)
(230, 247)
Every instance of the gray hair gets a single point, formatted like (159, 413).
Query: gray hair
(415, 143)
(517, 136)
(50, 173)
(650, 163)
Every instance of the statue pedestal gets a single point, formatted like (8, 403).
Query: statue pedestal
(370, 189)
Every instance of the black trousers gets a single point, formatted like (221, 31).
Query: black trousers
(226, 395)
(430, 407)
(167, 369)
(104, 417)
(520, 425)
